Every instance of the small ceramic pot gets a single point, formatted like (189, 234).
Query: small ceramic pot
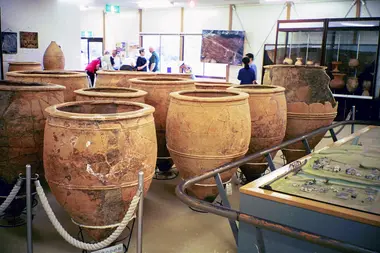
(352, 84)
(337, 82)
(299, 61)
(335, 65)
(288, 61)
(309, 63)
(353, 63)
(366, 87)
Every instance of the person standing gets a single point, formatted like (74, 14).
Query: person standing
(142, 63)
(91, 69)
(247, 75)
(106, 61)
(251, 62)
(112, 59)
(153, 60)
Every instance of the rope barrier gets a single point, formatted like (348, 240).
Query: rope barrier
(76, 243)
(16, 188)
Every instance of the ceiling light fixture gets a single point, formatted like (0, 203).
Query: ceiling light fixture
(192, 3)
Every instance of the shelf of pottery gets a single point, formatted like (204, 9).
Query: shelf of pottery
(351, 62)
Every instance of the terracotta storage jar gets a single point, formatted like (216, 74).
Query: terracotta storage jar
(267, 79)
(114, 78)
(70, 79)
(93, 151)
(174, 75)
(268, 123)
(158, 96)
(22, 122)
(303, 119)
(54, 59)
(205, 85)
(309, 84)
(206, 129)
(120, 94)
(20, 66)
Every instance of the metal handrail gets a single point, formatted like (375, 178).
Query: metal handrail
(235, 215)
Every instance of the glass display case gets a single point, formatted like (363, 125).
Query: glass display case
(349, 48)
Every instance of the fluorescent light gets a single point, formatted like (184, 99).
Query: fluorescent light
(145, 4)
(361, 24)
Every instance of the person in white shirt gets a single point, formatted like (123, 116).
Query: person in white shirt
(106, 61)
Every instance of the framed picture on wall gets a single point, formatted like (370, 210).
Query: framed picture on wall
(9, 40)
(28, 40)
(222, 46)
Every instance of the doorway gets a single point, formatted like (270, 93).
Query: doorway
(91, 48)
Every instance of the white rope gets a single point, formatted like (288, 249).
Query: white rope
(75, 242)
(11, 196)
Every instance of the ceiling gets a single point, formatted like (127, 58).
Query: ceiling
(181, 3)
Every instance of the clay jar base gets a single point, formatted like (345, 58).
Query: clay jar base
(303, 119)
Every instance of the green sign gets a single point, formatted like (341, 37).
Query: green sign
(112, 8)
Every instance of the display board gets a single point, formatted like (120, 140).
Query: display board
(9, 40)
(222, 46)
(28, 40)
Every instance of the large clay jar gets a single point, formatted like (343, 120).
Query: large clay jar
(338, 81)
(71, 80)
(158, 96)
(19, 66)
(93, 151)
(205, 85)
(206, 129)
(268, 123)
(309, 84)
(303, 119)
(267, 79)
(113, 78)
(53, 57)
(175, 75)
(352, 84)
(120, 94)
(22, 121)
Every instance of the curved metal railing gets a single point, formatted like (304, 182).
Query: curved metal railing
(235, 215)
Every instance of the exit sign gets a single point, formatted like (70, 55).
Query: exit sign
(112, 8)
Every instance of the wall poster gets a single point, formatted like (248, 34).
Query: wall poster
(222, 46)
(28, 40)
(9, 40)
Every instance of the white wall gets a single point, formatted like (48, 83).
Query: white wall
(122, 27)
(198, 19)
(53, 20)
(92, 20)
(161, 20)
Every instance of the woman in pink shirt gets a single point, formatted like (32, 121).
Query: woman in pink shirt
(91, 69)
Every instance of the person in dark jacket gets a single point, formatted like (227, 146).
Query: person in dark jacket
(142, 63)
(247, 75)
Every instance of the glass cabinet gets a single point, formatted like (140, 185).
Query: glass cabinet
(348, 47)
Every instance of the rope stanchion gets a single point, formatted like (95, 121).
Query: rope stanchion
(87, 246)
(11, 196)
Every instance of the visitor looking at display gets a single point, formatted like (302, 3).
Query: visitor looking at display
(106, 61)
(251, 63)
(185, 68)
(153, 60)
(91, 69)
(142, 63)
(112, 58)
(247, 75)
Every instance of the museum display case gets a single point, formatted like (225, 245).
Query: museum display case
(348, 48)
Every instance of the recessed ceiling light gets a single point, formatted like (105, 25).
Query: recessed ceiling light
(192, 3)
